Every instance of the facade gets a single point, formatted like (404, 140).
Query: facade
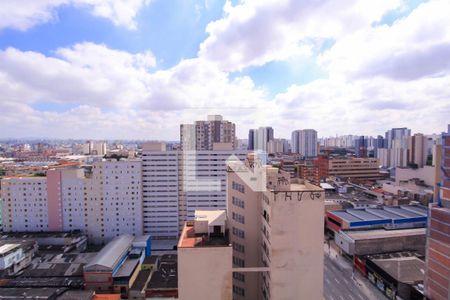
(361, 145)
(103, 203)
(251, 139)
(304, 142)
(367, 168)
(416, 150)
(259, 138)
(437, 282)
(203, 134)
(205, 258)
(276, 233)
(177, 183)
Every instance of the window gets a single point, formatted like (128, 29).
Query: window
(238, 202)
(238, 290)
(238, 262)
(238, 218)
(239, 276)
(238, 187)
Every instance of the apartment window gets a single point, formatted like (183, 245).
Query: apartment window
(238, 218)
(238, 262)
(238, 202)
(239, 276)
(239, 233)
(238, 291)
(238, 187)
(238, 247)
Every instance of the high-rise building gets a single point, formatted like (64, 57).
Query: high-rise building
(94, 148)
(304, 142)
(400, 134)
(276, 226)
(177, 183)
(260, 137)
(437, 277)
(104, 203)
(416, 145)
(202, 135)
(251, 139)
(361, 145)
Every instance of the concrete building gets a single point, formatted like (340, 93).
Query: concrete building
(416, 145)
(103, 203)
(277, 146)
(203, 134)
(351, 168)
(437, 279)
(205, 258)
(161, 176)
(259, 138)
(94, 148)
(177, 183)
(277, 233)
(304, 142)
(251, 139)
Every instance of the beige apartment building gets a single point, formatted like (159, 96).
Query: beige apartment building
(204, 258)
(276, 231)
(365, 168)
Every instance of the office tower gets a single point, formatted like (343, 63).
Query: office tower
(416, 145)
(204, 257)
(361, 145)
(251, 139)
(437, 279)
(261, 137)
(177, 183)
(103, 204)
(276, 225)
(203, 134)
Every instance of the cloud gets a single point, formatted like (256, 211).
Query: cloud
(255, 32)
(25, 14)
(412, 47)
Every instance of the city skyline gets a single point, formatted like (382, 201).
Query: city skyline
(130, 69)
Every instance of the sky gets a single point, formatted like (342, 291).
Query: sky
(136, 69)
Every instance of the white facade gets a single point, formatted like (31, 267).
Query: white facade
(160, 192)
(24, 204)
(304, 142)
(176, 183)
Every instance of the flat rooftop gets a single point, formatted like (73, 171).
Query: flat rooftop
(384, 215)
(383, 233)
(189, 239)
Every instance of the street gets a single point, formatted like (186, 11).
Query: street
(338, 282)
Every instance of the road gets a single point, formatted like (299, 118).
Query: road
(339, 284)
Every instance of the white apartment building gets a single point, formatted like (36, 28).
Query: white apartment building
(103, 204)
(276, 234)
(161, 175)
(114, 202)
(24, 204)
(177, 183)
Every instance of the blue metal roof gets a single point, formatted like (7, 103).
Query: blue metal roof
(385, 215)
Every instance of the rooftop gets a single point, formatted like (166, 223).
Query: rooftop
(190, 239)
(404, 269)
(109, 257)
(384, 215)
(382, 233)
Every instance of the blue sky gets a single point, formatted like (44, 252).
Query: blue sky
(137, 63)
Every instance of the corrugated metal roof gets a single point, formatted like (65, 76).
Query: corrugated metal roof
(127, 268)
(110, 256)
